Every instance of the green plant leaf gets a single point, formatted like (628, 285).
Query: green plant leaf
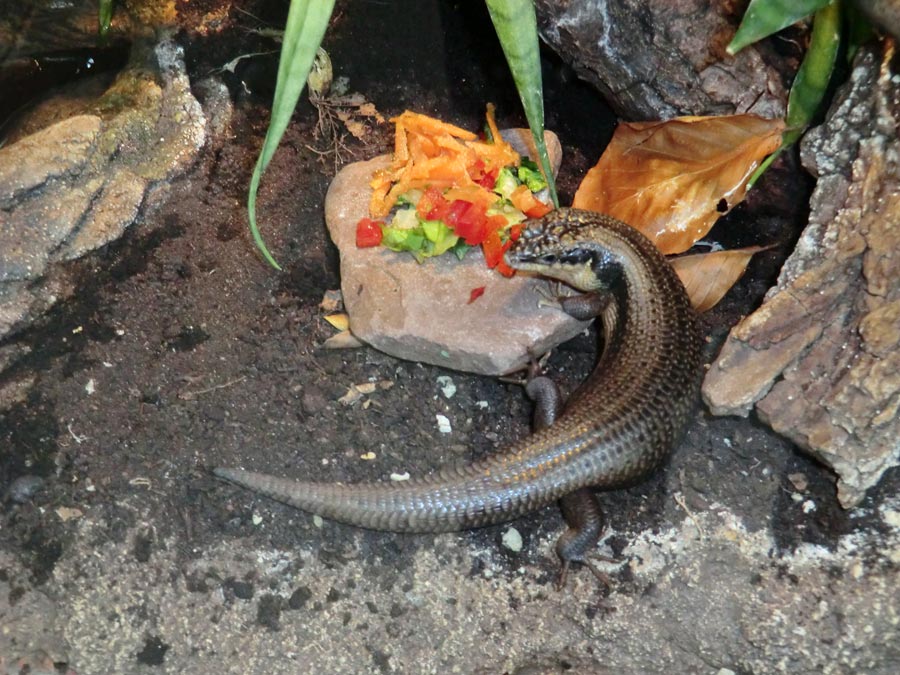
(765, 17)
(516, 26)
(104, 18)
(812, 80)
(814, 75)
(858, 29)
(306, 24)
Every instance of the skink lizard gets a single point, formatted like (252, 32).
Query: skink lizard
(616, 428)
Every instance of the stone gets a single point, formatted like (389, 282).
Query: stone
(115, 209)
(422, 312)
(656, 60)
(78, 184)
(819, 360)
(59, 150)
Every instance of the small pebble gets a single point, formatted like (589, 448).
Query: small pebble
(313, 400)
(799, 481)
(512, 540)
(448, 387)
(23, 488)
(443, 424)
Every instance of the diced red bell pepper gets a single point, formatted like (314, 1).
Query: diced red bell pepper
(476, 169)
(489, 179)
(493, 249)
(468, 220)
(432, 205)
(505, 269)
(368, 233)
(475, 294)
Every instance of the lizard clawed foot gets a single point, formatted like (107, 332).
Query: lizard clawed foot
(551, 294)
(533, 370)
(599, 574)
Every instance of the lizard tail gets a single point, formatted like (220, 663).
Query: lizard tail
(441, 504)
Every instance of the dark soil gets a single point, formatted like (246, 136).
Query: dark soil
(198, 354)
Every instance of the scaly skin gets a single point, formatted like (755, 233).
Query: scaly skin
(616, 428)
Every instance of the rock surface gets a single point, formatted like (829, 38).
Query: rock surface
(72, 187)
(422, 311)
(820, 359)
(656, 60)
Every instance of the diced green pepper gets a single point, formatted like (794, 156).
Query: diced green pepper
(531, 175)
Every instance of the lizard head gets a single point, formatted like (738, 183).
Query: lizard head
(562, 245)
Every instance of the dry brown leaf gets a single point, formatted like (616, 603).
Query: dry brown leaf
(343, 340)
(708, 276)
(339, 321)
(369, 110)
(354, 126)
(669, 179)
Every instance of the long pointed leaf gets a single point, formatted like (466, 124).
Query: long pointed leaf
(765, 17)
(516, 26)
(812, 80)
(306, 24)
(104, 18)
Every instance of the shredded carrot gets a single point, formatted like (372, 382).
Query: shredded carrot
(429, 152)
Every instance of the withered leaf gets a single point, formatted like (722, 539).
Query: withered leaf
(708, 276)
(669, 179)
(340, 321)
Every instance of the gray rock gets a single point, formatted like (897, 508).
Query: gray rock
(692, 604)
(23, 488)
(820, 360)
(656, 60)
(422, 311)
(78, 184)
(60, 150)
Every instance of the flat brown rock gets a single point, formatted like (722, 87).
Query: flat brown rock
(422, 311)
(820, 360)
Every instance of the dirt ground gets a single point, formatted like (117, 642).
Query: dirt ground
(184, 351)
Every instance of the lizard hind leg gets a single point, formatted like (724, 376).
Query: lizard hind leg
(580, 508)
(585, 520)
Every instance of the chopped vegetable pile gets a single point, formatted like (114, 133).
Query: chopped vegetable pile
(449, 191)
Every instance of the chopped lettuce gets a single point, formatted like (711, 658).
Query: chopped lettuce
(410, 198)
(398, 239)
(506, 182)
(408, 231)
(459, 249)
(424, 239)
(405, 219)
(439, 235)
(503, 207)
(531, 175)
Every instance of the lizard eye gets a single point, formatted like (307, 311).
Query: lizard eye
(549, 258)
(577, 256)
